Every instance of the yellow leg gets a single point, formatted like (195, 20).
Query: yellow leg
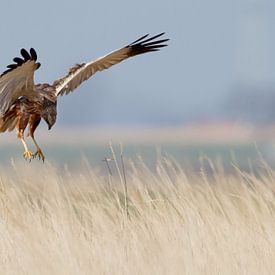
(27, 153)
(38, 153)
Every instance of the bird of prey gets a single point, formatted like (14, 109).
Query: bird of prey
(22, 103)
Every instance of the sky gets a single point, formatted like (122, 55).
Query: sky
(214, 46)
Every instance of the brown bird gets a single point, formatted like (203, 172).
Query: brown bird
(22, 103)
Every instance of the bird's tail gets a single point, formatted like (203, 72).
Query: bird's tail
(7, 124)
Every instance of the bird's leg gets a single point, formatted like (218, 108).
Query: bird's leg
(39, 152)
(34, 122)
(27, 153)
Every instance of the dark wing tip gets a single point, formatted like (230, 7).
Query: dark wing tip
(33, 54)
(19, 61)
(150, 44)
(25, 54)
(139, 39)
(12, 66)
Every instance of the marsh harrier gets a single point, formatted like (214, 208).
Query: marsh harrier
(22, 103)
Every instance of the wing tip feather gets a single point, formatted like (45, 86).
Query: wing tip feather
(27, 56)
(147, 44)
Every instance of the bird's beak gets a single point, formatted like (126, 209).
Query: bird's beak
(49, 128)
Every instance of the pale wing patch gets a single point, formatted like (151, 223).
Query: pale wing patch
(9, 90)
(18, 80)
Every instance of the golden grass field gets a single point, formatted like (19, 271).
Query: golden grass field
(53, 221)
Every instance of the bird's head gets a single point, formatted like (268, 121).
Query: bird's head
(49, 112)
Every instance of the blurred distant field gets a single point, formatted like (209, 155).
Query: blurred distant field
(226, 143)
(169, 220)
(245, 156)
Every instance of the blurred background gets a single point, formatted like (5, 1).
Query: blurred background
(211, 90)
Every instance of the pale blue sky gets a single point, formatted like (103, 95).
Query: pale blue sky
(214, 45)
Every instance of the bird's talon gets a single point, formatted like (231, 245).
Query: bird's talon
(28, 155)
(40, 155)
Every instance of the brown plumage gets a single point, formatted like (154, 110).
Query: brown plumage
(22, 103)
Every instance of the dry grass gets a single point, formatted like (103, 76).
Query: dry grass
(57, 222)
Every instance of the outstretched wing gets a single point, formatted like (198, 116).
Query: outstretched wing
(81, 72)
(17, 80)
